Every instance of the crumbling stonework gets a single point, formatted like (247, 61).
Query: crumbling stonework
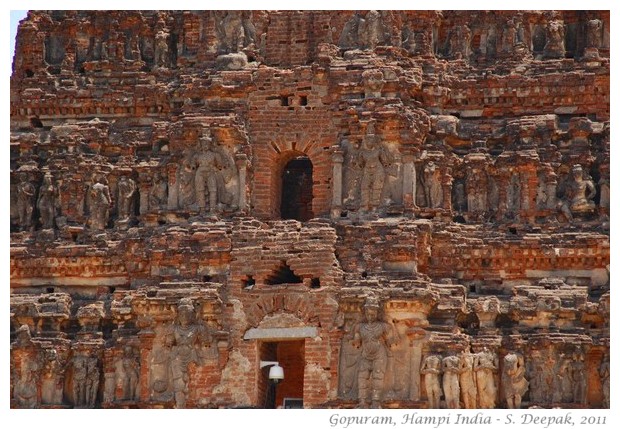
(404, 209)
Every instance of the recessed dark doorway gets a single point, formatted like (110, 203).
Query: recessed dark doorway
(291, 357)
(297, 190)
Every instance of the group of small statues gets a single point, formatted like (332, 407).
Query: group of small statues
(457, 380)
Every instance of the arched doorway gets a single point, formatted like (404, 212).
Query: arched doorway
(296, 197)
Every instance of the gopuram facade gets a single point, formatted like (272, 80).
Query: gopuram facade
(401, 209)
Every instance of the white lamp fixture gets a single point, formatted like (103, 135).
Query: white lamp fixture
(276, 373)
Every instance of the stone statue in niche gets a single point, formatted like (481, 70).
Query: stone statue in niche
(554, 48)
(373, 83)
(433, 191)
(485, 367)
(509, 36)
(451, 388)
(579, 377)
(158, 194)
(431, 369)
(536, 375)
(351, 174)
(47, 202)
(469, 392)
(363, 32)
(25, 202)
(126, 197)
(374, 337)
(460, 42)
(604, 187)
(52, 382)
(408, 40)
(130, 374)
(161, 47)
(25, 391)
(594, 33)
(476, 187)
(563, 389)
(234, 30)
(513, 379)
(189, 339)
(513, 195)
(85, 381)
(159, 375)
(215, 169)
(459, 200)
(604, 372)
(99, 204)
(349, 361)
(372, 159)
(578, 194)
(186, 174)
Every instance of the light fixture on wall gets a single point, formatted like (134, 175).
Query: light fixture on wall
(276, 373)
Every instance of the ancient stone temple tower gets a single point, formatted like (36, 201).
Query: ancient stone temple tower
(401, 209)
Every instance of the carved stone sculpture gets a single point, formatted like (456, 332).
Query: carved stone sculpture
(47, 202)
(25, 202)
(374, 337)
(363, 32)
(513, 379)
(433, 191)
(126, 197)
(52, 379)
(594, 33)
(467, 382)
(578, 194)
(373, 83)
(476, 186)
(351, 174)
(451, 388)
(99, 203)
(186, 175)
(485, 366)
(26, 390)
(579, 377)
(234, 30)
(161, 48)
(85, 381)
(431, 369)
(188, 340)
(130, 374)
(158, 194)
(460, 42)
(349, 361)
(372, 161)
(509, 36)
(604, 372)
(554, 48)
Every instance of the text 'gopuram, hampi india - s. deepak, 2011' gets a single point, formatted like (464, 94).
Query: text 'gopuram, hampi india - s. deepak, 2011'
(398, 209)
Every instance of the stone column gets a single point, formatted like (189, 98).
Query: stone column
(241, 161)
(409, 181)
(337, 159)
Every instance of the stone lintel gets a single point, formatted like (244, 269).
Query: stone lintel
(280, 333)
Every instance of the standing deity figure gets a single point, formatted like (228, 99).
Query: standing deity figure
(130, 374)
(469, 391)
(189, 339)
(349, 361)
(234, 30)
(594, 33)
(460, 42)
(579, 377)
(25, 391)
(161, 45)
(513, 379)
(451, 388)
(604, 372)
(374, 337)
(578, 194)
(433, 191)
(351, 173)
(431, 369)
(363, 32)
(80, 374)
(485, 366)
(158, 194)
(509, 36)
(372, 160)
(52, 382)
(100, 201)
(476, 186)
(126, 197)
(554, 48)
(209, 165)
(186, 178)
(25, 202)
(47, 202)
(92, 381)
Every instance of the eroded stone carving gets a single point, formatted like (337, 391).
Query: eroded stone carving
(158, 194)
(129, 375)
(349, 361)
(604, 372)
(25, 202)
(467, 381)
(26, 387)
(513, 379)
(47, 202)
(161, 46)
(554, 48)
(374, 337)
(373, 83)
(476, 186)
(460, 42)
(433, 191)
(126, 198)
(485, 367)
(364, 32)
(431, 369)
(451, 389)
(578, 194)
(99, 203)
(234, 30)
(351, 174)
(52, 384)
(594, 33)
(372, 160)
(85, 381)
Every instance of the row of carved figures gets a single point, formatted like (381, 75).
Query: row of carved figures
(206, 179)
(464, 380)
(367, 30)
(44, 373)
